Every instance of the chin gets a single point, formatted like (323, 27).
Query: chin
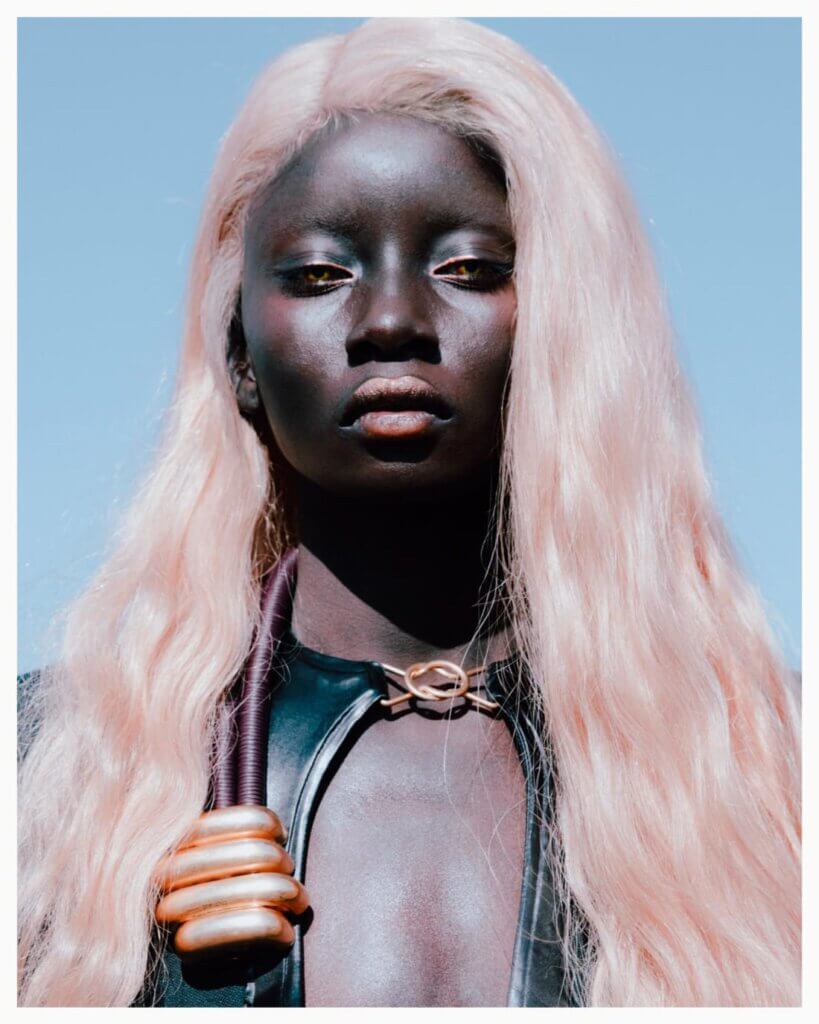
(407, 481)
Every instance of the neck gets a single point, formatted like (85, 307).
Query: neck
(397, 581)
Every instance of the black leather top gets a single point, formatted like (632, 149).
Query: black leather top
(320, 705)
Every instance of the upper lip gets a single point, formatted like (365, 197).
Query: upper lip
(396, 393)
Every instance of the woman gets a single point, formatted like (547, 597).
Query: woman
(415, 246)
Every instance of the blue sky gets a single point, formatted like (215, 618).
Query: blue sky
(119, 121)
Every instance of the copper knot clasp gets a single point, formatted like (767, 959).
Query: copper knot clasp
(457, 676)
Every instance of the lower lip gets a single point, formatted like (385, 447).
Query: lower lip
(393, 423)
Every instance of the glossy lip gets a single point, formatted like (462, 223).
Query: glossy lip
(394, 407)
(384, 423)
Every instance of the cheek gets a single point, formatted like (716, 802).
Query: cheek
(291, 346)
(505, 315)
(491, 346)
(486, 370)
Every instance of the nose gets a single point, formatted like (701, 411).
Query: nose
(394, 321)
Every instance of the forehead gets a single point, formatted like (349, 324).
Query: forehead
(380, 170)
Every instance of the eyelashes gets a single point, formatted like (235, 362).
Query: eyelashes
(321, 278)
(475, 273)
(313, 279)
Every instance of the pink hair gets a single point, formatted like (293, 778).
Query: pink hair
(671, 715)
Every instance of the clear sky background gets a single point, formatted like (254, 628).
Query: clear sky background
(119, 122)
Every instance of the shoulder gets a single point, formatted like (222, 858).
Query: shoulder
(26, 684)
(28, 691)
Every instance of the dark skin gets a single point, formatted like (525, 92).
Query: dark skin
(408, 292)
(385, 249)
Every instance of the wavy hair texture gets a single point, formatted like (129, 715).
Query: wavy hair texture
(671, 715)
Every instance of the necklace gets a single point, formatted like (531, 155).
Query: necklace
(457, 677)
(226, 888)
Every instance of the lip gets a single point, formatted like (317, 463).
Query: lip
(385, 423)
(395, 407)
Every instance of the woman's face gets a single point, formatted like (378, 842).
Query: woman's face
(377, 310)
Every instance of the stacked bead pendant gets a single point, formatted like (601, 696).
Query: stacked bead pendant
(227, 888)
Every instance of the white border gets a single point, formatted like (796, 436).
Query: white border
(424, 8)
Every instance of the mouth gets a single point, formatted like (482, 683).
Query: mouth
(395, 407)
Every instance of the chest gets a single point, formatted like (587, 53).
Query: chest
(414, 867)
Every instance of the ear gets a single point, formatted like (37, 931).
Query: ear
(241, 372)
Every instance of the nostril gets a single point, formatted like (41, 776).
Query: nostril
(392, 324)
(366, 349)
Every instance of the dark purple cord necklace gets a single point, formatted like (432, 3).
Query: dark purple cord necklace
(227, 887)
(241, 768)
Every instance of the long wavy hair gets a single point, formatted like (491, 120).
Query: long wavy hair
(672, 717)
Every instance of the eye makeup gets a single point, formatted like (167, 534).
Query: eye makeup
(312, 278)
(474, 272)
(469, 272)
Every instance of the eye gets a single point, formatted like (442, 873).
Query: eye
(313, 278)
(472, 272)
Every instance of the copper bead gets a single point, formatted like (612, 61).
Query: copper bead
(227, 885)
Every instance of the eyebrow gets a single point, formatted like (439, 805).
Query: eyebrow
(454, 220)
(347, 224)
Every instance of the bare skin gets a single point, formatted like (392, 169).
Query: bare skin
(417, 257)
(397, 589)
(414, 867)
(385, 251)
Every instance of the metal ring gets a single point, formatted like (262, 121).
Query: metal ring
(218, 934)
(427, 692)
(241, 821)
(281, 892)
(222, 860)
